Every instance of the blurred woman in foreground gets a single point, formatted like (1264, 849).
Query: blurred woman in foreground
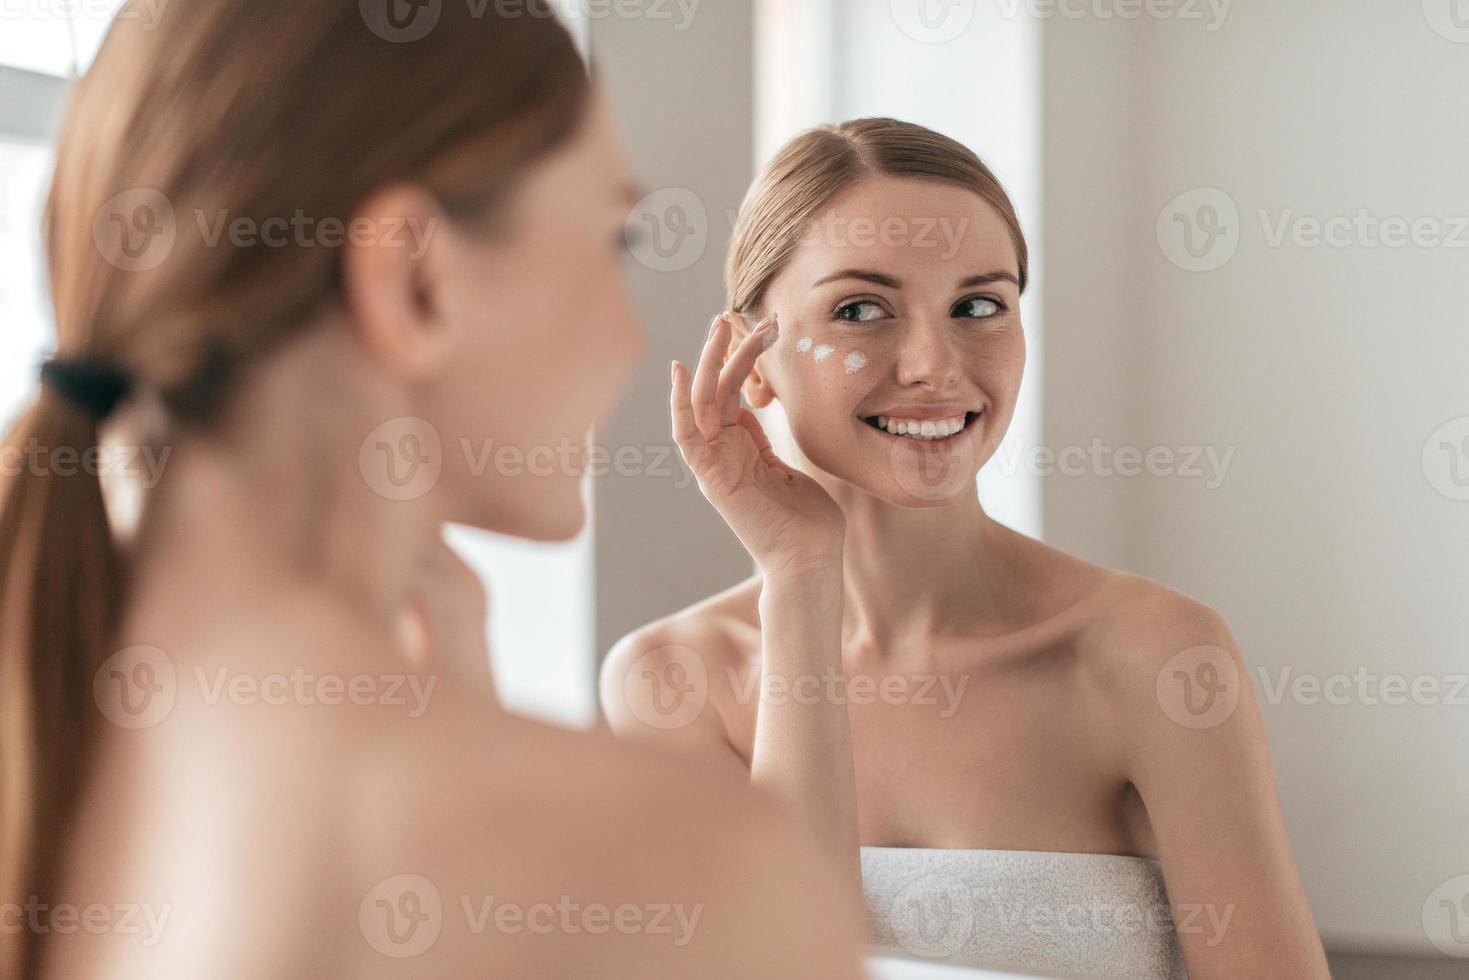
(304, 254)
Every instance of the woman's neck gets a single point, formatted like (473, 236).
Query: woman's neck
(914, 573)
(275, 499)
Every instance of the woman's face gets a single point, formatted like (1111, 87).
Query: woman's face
(550, 337)
(899, 308)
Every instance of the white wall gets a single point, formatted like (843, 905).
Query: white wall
(1327, 546)
(682, 92)
(541, 622)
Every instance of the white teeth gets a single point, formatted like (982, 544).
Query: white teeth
(925, 429)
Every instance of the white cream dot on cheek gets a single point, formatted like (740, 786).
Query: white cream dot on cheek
(803, 345)
(823, 352)
(855, 362)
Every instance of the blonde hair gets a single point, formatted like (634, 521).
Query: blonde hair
(809, 172)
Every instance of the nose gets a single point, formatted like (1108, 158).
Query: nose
(927, 356)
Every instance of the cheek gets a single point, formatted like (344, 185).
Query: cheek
(556, 330)
(820, 359)
(821, 382)
(585, 307)
(520, 361)
(999, 365)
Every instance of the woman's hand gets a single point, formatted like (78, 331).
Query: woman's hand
(794, 531)
(784, 518)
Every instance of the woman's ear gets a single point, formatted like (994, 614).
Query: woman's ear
(396, 271)
(757, 388)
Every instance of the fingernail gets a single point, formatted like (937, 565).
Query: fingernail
(672, 370)
(770, 333)
(712, 324)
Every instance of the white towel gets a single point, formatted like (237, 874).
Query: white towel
(1051, 912)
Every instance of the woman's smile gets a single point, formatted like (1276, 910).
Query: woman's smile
(923, 427)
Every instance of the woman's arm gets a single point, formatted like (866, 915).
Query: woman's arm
(658, 680)
(803, 741)
(1197, 753)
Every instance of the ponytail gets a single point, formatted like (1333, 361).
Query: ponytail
(61, 585)
(197, 113)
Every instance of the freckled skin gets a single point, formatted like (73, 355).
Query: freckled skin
(915, 349)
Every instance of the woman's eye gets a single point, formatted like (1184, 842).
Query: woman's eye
(979, 308)
(861, 310)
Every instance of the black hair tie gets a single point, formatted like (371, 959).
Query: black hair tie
(89, 384)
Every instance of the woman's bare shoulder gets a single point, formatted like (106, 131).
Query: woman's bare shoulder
(1136, 612)
(1126, 625)
(1136, 626)
(1111, 603)
(721, 631)
(535, 815)
(413, 809)
(429, 766)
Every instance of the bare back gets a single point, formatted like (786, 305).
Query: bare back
(254, 835)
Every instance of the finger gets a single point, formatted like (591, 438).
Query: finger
(686, 432)
(747, 421)
(740, 364)
(706, 377)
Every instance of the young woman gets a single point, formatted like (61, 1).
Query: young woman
(1026, 746)
(304, 258)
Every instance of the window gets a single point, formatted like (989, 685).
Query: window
(38, 44)
(54, 37)
(25, 318)
(43, 45)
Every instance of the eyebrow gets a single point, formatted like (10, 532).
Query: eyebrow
(882, 279)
